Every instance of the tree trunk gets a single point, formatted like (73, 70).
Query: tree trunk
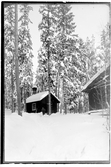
(57, 89)
(49, 67)
(16, 61)
(42, 84)
(24, 99)
(58, 82)
(64, 98)
(63, 48)
(61, 96)
(12, 86)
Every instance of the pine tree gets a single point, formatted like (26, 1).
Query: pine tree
(67, 54)
(105, 44)
(9, 21)
(76, 74)
(82, 76)
(25, 52)
(91, 57)
(16, 62)
(47, 28)
(105, 52)
(65, 39)
(42, 72)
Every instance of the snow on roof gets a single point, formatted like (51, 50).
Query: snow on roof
(39, 97)
(94, 77)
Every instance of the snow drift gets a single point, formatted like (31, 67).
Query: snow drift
(71, 137)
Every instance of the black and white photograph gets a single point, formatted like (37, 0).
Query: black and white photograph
(56, 98)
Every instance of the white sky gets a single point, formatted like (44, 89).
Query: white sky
(90, 19)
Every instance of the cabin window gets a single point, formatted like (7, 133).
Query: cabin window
(33, 106)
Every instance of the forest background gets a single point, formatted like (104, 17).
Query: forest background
(75, 54)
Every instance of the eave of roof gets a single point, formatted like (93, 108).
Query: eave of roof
(94, 78)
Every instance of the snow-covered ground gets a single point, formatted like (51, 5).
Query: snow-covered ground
(71, 137)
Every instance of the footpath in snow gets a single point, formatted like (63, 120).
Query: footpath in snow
(70, 137)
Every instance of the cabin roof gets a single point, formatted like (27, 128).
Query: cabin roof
(39, 96)
(94, 80)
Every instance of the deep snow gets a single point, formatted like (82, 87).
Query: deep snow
(71, 137)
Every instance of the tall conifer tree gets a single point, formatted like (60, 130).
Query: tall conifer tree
(9, 22)
(46, 26)
(24, 50)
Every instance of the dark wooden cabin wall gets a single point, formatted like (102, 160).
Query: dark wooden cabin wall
(54, 108)
(97, 98)
(29, 107)
(53, 104)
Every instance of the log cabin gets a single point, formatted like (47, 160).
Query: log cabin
(38, 102)
(98, 89)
